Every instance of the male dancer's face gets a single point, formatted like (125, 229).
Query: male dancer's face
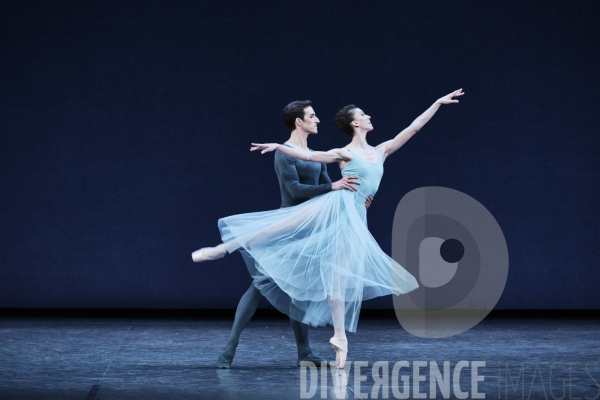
(310, 122)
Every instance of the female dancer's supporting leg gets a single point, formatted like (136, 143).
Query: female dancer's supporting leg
(339, 342)
(337, 305)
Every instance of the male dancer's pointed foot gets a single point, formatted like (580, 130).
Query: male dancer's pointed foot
(340, 345)
(226, 357)
(209, 253)
(315, 359)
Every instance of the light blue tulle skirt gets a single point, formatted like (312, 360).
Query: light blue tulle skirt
(303, 257)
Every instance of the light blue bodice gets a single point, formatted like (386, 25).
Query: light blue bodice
(369, 174)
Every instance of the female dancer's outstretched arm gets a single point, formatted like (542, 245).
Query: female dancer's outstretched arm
(328, 157)
(394, 144)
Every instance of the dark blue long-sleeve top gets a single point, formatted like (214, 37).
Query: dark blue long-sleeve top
(300, 180)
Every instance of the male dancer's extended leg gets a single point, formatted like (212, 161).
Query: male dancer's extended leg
(245, 310)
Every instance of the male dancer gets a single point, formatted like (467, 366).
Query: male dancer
(298, 181)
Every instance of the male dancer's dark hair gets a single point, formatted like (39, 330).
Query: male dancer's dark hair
(295, 110)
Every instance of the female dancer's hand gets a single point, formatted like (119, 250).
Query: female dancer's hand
(265, 147)
(447, 99)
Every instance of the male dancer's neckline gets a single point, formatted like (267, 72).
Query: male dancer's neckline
(296, 146)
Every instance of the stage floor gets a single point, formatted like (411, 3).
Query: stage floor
(143, 358)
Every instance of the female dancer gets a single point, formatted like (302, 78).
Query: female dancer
(320, 252)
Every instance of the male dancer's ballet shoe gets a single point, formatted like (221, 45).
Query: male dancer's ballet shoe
(224, 362)
(209, 253)
(315, 359)
(341, 350)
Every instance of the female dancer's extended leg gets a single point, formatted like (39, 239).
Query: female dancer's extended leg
(256, 235)
(209, 253)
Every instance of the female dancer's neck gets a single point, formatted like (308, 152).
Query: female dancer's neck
(359, 139)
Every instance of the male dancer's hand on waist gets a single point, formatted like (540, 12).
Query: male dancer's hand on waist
(346, 183)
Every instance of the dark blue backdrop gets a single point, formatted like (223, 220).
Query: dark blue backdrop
(125, 129)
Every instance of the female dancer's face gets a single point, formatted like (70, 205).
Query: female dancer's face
(362, 121)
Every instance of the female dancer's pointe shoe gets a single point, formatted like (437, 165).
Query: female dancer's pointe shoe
(209, 253)
(341, 350)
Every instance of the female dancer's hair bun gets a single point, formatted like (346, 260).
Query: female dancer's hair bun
(344, 118)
